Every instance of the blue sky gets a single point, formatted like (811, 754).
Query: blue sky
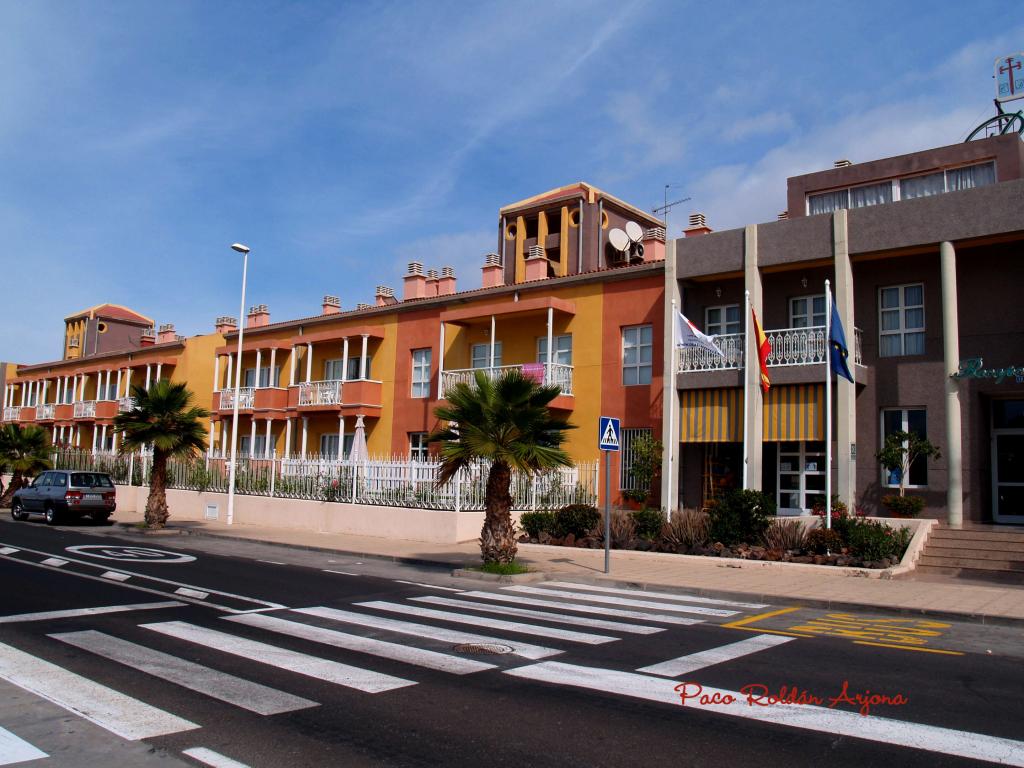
(138, 140)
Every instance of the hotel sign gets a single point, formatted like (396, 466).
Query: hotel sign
(1009, 74)
(972, 368)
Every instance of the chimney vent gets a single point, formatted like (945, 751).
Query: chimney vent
(784, 215)
(493, 272)
(415, 282)
(363, 306)
(331, 305)
(842, 164)
(258, 317)
(148, 337)
(698, 220)
(385, 296)
(431, 282)
(166, 333)
(446, 282)
(415, 268)
(225, 324)
(698, 226)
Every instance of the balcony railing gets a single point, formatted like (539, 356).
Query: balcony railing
(790, 346)
(85, 409)
(546, 373)
(125, 404)
(320, 392)
(45, 411)
(246, 395)
(12, 413)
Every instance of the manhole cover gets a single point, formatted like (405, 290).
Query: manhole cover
(494, 648)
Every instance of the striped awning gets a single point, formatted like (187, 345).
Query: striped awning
(795, 412)
(791, 412)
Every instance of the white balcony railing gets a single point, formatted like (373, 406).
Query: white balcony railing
(320, 392)
(85, 409)
(547, 373)
(12, 413)
(790, 346)
(125, 404)
(45, 411)
(246, 396)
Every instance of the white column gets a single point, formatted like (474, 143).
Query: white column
(46, 387)
(362, 358)
(440, 364)
(128, 383)
(78, 436)
(106, 391)
(309, 361)
(68, 384)
(210, 442)
(149, 374)
(951, 359)
(291, 367)
(24, 393)
(846, 392)
(274, 382)
(344, 359)
(259, 364)
(113, 444)
(216, 374)
(288, 432)
(103, 438)
(305, 434)
(267, 451)
(252, 437)
(490, 362)
(224, 438)
(551, 352)
(231, 363)
(159, 366)
(54, 438)
(119, 377)
(753, 400)
(95, 434)
(341, 438)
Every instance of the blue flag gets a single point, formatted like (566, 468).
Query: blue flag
(838, 353)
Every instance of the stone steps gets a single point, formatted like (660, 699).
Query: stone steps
(974, 552)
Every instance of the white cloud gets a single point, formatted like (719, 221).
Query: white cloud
(769, 122)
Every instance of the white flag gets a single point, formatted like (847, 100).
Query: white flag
(687, 335)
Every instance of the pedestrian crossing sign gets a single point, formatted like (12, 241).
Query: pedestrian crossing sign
(608, 431)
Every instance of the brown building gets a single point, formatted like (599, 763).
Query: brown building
(104, 328)
(923, 253)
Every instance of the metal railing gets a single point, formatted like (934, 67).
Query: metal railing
(85, 409)
(797, 346)
(12, 413)
(125, 404)
(246, 396)
(790, 346)
(393, 482)
(45, 411)
(697, 359)
(547, 373)
(326, 392)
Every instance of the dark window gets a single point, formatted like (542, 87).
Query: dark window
(90, 480)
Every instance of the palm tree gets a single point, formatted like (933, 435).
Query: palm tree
(506, 421)
(26, 452)
(163, 417)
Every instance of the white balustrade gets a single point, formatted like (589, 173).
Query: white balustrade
(85, 409)
(546, 373)
(698, 359)
(45, 411)
(797, 346)
(560, 374)
(326, 392)
(125, 404)
(790, 346)
(246, 395)
(12, 413)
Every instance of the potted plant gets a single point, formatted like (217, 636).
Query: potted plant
(644, 467)
(899, 453)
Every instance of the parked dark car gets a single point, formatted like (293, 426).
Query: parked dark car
(66, 493)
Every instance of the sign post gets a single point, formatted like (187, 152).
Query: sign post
(608, 441)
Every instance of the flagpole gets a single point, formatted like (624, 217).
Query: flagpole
(828, 406)
(748, 339)
(672, 411)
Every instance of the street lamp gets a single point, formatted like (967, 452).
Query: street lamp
(244, 250)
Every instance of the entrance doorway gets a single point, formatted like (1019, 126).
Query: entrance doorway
(801, 473)
(1008, 461)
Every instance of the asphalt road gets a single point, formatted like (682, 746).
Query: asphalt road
(275, 657)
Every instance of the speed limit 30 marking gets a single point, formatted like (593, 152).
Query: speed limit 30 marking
(130, 554)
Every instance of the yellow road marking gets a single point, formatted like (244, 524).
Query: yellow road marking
(751, 619)
(765, 631)
(909, 648)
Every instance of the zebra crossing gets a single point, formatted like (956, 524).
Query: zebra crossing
(446, 634)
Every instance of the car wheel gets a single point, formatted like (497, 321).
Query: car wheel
(99, 518)
(18, 511)
(51, 516)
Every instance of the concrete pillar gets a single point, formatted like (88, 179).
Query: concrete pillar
(344, 359)
(252, 438)
(95, 434)
(212, 439)
(259, 365)
(159, 368)
(341, 438)
(362, 358)
(670, 463)
(223, 439)
(103, 438)
(305, 434)
(753, 401)
(120, 371)
(951, 360)
(128, 383)
(216, 374)
(230, 383)
(149, 374)
(272, 378)
(268, 447)
(291, 367)
(309, 361)
(846, 393)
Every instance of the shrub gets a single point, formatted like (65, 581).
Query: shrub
(623, 529)
(686, 528)
(785, 535)
(873, 541)
(903, 506)
(818, 506)
(535, 522)
(740, 516)
(822, 541)
(648, 522)
(577, 519)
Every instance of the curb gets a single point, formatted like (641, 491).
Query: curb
(500, 578)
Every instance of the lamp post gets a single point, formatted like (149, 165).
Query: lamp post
(244, 250)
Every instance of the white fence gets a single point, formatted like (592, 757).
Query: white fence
(546, 373)
(383, 482)
(85, 409)
(246, 395)
(320, 392)
(790, 346)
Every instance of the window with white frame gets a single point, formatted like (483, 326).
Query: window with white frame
(719, 321)
(801, 475)
(628, 438)
(913, 420)
(421, 372)
(265, 377)
(334, 370)
(247, 448)
(853, 197)
(563, 349)
(807, 311)
(637, 354)
(480, 355)
(418, 450)
(329, 445)
(901, 320)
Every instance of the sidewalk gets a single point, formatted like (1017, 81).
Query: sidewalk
(815, 587)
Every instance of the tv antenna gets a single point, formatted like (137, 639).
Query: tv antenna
(667, 207)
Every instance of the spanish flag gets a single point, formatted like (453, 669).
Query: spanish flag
(764, 348)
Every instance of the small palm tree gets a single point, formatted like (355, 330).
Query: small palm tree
(25, 451)
(507, 422)
(163, 417)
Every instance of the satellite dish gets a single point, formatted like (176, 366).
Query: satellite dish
(634, 231)
(618, 239)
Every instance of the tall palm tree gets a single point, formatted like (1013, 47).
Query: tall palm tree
(163, 417)
(25, 451)
(505, 421)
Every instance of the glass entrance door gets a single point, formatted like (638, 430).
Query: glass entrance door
(801, 476)
(1008, 461)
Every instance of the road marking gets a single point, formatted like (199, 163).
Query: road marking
(198, 594)
(385, 650)
(120, 714)
(661, 618)
(742, 623)
(428, 586)
(909, 648)
(694, 661)
(311, 666)
(343, 573)
(56, 562)
(74, 612)
(832, 722)
(16, 750)
(115, 576)
(254, 697)
(609, 599)
(211, 758)
(484, 621)
(660, 595)
(560, 618)
(525, 650)
(8, 550)
(272, 562)
(130, 554)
